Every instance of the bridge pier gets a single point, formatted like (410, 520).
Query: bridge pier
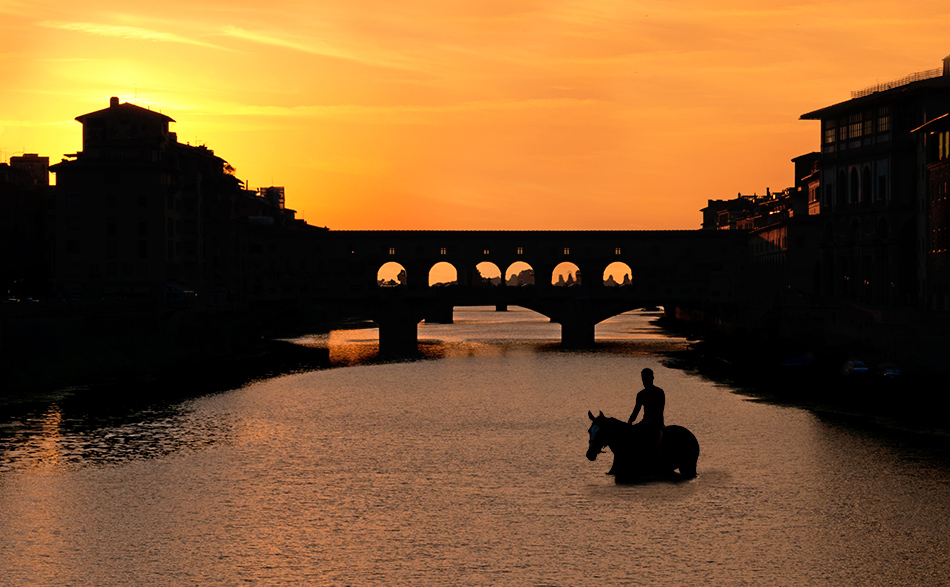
(398, 329)
(577, 333)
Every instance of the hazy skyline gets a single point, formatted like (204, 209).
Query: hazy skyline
(487, 115)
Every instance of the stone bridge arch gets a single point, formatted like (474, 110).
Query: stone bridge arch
(689, 268)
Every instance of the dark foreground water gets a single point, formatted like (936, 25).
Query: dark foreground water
(467, 469)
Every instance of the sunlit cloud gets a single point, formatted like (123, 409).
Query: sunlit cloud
(284, 42)
(321, 48)
(125, 32)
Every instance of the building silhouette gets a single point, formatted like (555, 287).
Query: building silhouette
(141, 216)
(936, 144)
(872, 176)
(857, 248)
(25, 244)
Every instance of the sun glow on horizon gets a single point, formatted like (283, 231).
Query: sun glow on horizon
(517, 115)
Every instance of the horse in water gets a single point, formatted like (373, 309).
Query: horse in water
(633, 460)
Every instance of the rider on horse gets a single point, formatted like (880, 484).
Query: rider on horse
(652, 400)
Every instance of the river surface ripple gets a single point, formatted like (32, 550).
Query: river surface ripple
(466, 469)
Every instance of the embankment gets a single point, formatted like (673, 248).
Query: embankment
(44, 346)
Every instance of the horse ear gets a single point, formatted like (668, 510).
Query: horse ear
(589, 415)
(601, 415)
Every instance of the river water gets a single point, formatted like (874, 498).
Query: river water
(464, 468)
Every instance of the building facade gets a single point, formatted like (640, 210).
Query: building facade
(140, 216)
(25, 244)
(935, 140)
(873, 184)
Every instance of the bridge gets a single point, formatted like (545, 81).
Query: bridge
(689, 269)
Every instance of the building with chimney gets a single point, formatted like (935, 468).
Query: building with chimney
(140, 216)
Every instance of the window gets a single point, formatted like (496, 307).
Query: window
(486, 252)
(567, 250)
(944, 145)
(854, 126)
(618, 251)
(520, 251)
(883, 119)
(392, 250)
(443, 251)
(829, 131)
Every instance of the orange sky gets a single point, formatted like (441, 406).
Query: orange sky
(427, 114)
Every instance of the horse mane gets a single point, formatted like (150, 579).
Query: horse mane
(617, 428)
(615, 422)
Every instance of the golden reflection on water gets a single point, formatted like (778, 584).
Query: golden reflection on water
(485, 331)
(467, 471)
(47, 443)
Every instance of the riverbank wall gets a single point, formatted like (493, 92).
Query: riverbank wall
(44, 346)
(915, 340)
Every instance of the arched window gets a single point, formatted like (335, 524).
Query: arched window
(391, 274)
(566, 274)
(617, 274)
(486, 273)
(841, 190)
(443, 274)
(518, 274)
(866, 186)
(854, 196)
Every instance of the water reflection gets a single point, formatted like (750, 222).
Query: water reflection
(76, 430)
(458, 471)
(152, 419)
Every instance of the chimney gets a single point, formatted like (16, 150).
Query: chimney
(946, 65)
(114, 100)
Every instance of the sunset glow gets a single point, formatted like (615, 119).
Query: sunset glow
(482, 115)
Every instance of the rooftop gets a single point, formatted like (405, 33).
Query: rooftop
(907, 79)
(125, 108)
(919, 81)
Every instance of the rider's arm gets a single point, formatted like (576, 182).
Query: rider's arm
(636, 411)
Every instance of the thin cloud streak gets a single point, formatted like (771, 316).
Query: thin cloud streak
(126, 32)
(324, 50)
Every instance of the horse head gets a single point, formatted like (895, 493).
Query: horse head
(597, 437)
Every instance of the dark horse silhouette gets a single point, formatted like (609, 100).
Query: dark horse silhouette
(632, 459)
